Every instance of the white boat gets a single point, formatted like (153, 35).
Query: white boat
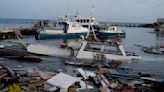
(100, 51)
(87, 50)
(112, 31)
(41, 49)
(87, 21)
(66, 29)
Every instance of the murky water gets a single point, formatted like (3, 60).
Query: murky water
(149, 63)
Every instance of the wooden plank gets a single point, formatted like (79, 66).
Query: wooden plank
(3, 75)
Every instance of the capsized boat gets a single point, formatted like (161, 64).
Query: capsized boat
(41, 49)
(111, 32)
(101, 51)
(87, 50)
(18, 54)
(65, 29)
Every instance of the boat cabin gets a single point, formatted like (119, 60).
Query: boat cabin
(86, 21)
(65, 26)
(112, 29)
(102, 48)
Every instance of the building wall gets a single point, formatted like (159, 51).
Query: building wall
(160, 20)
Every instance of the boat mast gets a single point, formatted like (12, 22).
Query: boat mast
(92, 9)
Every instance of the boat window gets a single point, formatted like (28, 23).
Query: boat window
(93, 47)
(57, 27)
(87, 20)
(108, 49)
(112, 28)
(112, 50)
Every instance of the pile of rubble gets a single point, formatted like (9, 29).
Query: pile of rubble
(24, 79)
(82, 80)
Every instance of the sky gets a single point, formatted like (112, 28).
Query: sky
(139, 11)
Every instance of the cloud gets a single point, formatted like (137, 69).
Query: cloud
(116, 10)
(143, 1)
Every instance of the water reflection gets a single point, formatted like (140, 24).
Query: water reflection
(141, 36)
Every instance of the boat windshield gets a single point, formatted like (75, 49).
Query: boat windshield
(112, 50)
(112, 29)
(57, 27)
(102, 48)
(85, 20)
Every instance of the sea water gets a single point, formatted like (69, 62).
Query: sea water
(16, 23)
(149, 63)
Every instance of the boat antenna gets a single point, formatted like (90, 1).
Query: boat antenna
(77, 14)
(68, 9)
(92, 10)
(77, 10)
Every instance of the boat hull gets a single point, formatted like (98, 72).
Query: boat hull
(90, 51)
(63, 36)
(111, 35)
(103, 57)
(46, 50)
(18, 55)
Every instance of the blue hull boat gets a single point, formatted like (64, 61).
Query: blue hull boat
(65, 30)
(111, 35)
(63, 36)
(111, 32)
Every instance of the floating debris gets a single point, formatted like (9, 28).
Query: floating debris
(153, 50)
(99, 80)
(76, 63)
(22, 79)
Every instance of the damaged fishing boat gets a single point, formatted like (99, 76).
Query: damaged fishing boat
(41, 49)
(87, 50)
(102, 51)
(18, 54)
